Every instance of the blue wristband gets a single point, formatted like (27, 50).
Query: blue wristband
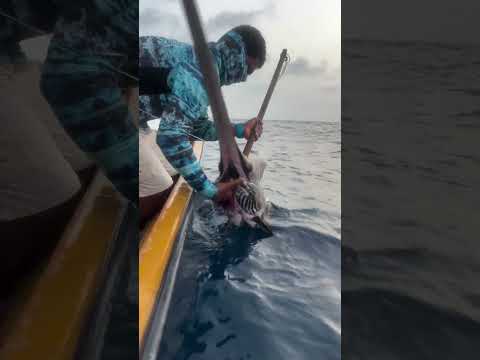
(239, 131)
(209, 190)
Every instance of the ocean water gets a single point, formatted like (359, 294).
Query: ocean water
(410, 286)
(241, 297)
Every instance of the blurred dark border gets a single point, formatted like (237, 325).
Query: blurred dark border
(32, 238)
(410, 177)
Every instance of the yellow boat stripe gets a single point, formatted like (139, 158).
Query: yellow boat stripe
(157, 246)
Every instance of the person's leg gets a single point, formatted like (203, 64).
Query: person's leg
(38, 187)
(155, 182)
(158, 152)
(29, 81)
(29, 240)
(150, 206)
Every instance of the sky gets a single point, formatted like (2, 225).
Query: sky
(310, 30)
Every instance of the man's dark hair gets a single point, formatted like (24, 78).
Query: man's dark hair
(254, 42)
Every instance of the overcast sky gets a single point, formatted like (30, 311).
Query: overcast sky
(310, 30)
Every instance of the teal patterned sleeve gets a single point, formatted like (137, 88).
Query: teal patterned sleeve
(205, 129)
(239, 130)
(184, 110)
(174, 142)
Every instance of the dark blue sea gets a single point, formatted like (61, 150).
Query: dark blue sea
(238, 296)
(411, 170)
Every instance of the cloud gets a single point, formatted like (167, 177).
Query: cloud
(168, 23)
(153, 17)
(228, 19)
(302, 67)
(163, 23)
(149, 17)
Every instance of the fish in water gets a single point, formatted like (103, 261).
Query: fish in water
(250, 205)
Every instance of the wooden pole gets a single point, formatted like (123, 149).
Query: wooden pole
(266, 100)
(228, 146)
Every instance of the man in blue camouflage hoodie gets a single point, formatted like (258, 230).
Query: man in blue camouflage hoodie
(171, 89)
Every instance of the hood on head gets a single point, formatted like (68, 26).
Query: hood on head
(231, 58)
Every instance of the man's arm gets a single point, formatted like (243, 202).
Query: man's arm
(205, 129)
(173, 139)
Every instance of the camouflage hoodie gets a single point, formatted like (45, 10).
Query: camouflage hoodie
(183, 111)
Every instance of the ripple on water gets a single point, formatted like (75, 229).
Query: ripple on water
(277, 298)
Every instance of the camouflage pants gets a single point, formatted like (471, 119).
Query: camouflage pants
(89, 55)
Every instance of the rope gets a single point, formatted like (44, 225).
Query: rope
(153, 117)
(40, 32)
